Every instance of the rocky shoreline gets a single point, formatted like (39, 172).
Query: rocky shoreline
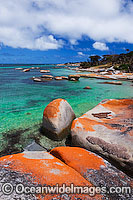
(99, 153)
(92, 72)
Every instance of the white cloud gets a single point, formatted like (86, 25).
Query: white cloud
(100, 46)
(81, 54)
(41, 24)
(73, 42)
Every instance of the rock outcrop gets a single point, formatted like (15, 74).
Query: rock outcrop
(19, 68)
(47, 76)
(57, 119)
(38, 170)
(107, 130)
(65, 77)
(58, 78)
(95, 170)
(73, 77)
(44, 71)
(26, 70)
(75, 173)
(112, 82)
(108, 76)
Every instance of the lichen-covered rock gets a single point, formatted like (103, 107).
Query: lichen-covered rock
(107, 130)
(57, 119)
(39, 170)
(96, 170)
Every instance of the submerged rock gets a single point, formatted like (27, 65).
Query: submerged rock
(57, 119)
(107, 130)
(34, 147)
(87, 87)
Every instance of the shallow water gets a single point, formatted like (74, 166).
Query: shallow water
(22, 101)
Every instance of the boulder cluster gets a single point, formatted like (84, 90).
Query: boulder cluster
(98, 160)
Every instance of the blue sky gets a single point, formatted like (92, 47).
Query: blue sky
(59, 31)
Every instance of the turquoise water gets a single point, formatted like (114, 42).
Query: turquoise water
(22, 101)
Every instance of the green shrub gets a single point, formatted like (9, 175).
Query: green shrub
(124, 67)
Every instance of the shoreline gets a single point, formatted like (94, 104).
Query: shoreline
(29, 112)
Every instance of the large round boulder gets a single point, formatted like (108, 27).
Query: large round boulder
(57, 119)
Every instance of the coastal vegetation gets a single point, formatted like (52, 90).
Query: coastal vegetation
(123, 62)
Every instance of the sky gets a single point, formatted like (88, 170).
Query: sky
(60, 31)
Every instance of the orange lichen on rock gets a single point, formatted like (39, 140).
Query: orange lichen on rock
(123, 113)
(52, 108)
(79, 159)
(115, 104)
(83, 123)
(101, 129)
(57, 119)
(123, 110)
(45, 170)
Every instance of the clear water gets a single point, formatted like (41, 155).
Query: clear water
(22, 101)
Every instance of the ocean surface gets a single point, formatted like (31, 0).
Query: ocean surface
(23, 101)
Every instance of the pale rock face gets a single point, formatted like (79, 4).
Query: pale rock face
(57, 119)
(107, 130)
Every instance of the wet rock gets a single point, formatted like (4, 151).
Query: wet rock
(107, 130)
(57, 119)
(34, 147)
(95, 169)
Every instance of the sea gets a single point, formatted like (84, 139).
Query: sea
(22, 102)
